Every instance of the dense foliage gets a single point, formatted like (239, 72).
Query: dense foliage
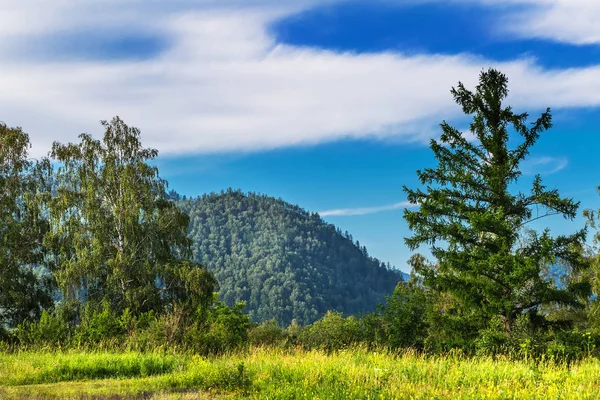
(114, 234)
(284, 262)
(23, 291)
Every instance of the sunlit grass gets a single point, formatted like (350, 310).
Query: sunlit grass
(271, 373)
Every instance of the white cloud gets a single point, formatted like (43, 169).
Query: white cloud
(224, 84)
(544, 165)
(365, 210)
(568, 21)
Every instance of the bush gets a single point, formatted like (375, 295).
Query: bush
(573, 345)
(267, 334)
(52, 329)
(212, 330)
(493, 340)
(222, 329)
(98, 323)
(293, 334)
(332, 332)
(404, 314)
(373, 332)
(526, 341)
(226, 329)
(157, 333)
(450, 332)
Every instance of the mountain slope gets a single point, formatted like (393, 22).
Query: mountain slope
(284, 262)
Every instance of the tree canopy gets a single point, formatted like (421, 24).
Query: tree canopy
(114, 235)
(24, 290)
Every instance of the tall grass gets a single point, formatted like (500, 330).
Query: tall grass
(38, 368)
(277, 374)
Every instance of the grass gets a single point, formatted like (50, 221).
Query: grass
(276, 374)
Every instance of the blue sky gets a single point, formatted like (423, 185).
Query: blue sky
(326, 104)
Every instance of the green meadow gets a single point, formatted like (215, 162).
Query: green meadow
(276, 374)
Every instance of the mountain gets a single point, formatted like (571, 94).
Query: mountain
(283, 261)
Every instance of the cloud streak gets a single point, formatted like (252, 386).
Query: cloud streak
(365, 210)
(545, 165)
(223, 83)
(568, 21)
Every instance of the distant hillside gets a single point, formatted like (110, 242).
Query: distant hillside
(284, 262)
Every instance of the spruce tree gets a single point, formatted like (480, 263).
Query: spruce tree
(477, 223)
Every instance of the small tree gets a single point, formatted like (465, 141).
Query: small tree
(404, 316)
(115, 236)
(23, 289)
(475, 221)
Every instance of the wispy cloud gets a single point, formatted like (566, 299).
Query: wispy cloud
(544, 165)
(569, 21)
(224, 84)
(365, 210)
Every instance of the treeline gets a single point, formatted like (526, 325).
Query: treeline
(93, 253)
(283, 262)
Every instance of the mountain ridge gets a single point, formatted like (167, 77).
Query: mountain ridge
(286, 263)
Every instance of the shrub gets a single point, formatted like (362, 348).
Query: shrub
(404, 323)
(293, 334)
(99, 323)
(332, 332)
(374, 333)
(492, 340)
(157, 333)
(52, 329)
(572, 345)
(267, 334)
(226, 329)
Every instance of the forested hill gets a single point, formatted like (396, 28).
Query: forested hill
(286, 263)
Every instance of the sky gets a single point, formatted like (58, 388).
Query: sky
(327, 104)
